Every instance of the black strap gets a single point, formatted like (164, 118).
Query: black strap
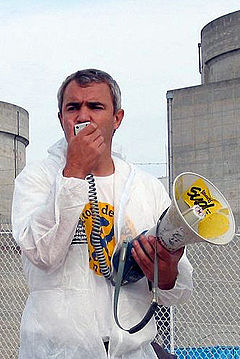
(106, 345)
(154, 304)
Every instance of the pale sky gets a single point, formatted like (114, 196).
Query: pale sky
(149, 47)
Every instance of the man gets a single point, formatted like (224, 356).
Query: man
(68, 314)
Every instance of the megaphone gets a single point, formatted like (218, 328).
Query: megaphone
(199, 213)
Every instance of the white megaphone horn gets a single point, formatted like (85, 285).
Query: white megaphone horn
(198, 213)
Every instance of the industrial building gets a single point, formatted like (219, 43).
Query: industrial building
(14, 137)
(204, 137)
(204, 120)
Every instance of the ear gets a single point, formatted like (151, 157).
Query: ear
(60, 119)
(118, 118)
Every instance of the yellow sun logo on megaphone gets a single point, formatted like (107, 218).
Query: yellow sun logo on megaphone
(215, 222)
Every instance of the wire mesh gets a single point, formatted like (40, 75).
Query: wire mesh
(207, 326)
(13, 294)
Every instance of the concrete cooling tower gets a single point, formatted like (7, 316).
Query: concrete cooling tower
(220, 44)
(14, 137)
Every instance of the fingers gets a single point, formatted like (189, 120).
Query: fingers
(144, 251)
(144, 257)
(149, 243)
(84, 151)
(95, 138)
(89, 136)
(147, 248)
(163, 253)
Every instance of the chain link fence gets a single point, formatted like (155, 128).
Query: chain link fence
(207, 326)
(13, 294)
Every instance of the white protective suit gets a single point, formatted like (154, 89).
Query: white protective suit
(59, 320)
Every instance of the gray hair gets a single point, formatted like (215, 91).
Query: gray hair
(85, 78)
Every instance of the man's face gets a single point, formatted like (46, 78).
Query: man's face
(91, 103)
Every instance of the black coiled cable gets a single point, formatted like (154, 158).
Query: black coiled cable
(96, 228)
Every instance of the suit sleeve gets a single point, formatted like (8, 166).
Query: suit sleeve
(182, 290)
(45, 214)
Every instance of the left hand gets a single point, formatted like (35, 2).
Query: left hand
(167, 261)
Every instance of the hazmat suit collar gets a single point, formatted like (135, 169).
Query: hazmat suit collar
(58, 151)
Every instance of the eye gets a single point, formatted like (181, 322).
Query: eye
(72, 107)
(96, 106)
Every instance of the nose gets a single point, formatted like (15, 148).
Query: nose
(83, 114)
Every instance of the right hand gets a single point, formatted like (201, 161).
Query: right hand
(84, 151)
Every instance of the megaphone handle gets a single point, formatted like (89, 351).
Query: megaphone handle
(155, 274)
